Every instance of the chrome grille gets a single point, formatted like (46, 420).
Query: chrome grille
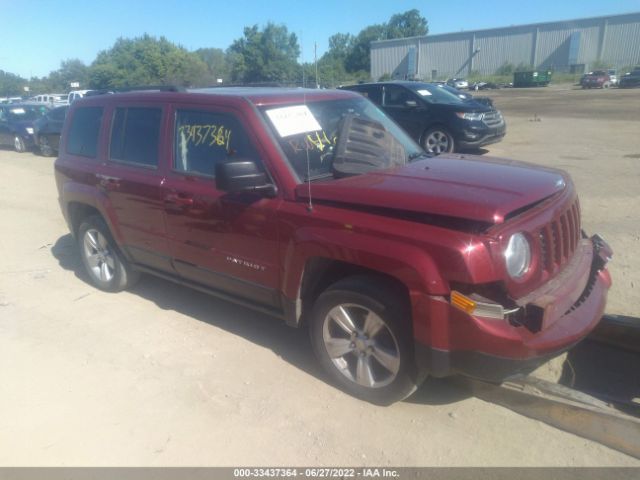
(492, 119)
(559, 239)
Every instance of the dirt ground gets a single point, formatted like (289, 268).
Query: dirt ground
(165, 376)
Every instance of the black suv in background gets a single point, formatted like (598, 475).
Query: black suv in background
(435, 117)
(47, 130)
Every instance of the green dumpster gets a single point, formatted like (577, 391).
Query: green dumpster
(532, 79)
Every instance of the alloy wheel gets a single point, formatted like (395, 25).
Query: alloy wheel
(100, 260)
(437, 142)
(361, 345)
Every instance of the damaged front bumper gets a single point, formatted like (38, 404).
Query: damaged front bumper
(566, 309)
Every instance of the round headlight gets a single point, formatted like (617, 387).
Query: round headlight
(518, 255)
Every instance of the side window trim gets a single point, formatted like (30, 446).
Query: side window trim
(95, 155)
(214, 111)
(124, 162)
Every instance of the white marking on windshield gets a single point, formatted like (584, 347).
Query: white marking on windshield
(293, 120)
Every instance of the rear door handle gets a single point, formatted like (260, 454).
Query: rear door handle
(108, 182)
(179, 199)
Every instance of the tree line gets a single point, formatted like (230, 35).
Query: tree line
(263, 55)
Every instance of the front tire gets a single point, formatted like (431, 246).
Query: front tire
(19, 145)
(438, 140)
(361, 334)
(105, 265)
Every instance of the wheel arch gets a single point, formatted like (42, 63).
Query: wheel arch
(78, 201)
(312, 265)
(320, 273)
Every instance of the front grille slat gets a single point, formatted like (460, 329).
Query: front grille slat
(566, 237)
(559, 239)
(492, 119)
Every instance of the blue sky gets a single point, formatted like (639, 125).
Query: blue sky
(36, 35)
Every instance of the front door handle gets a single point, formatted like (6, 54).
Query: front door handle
(179, 199)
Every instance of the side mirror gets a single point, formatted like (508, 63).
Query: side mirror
(411, 103)
(242, 176)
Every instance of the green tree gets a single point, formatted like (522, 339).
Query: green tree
(11, 85)
(216, 62)
(340, 45)
(267, 55)
(359, 56)
(407, 24)
(146, 61)
(72, 70)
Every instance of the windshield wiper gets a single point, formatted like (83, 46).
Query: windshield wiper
(318, 177)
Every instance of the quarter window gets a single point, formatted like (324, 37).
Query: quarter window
(134, 136)
(84, 131)
(373, 93)
(203, 139)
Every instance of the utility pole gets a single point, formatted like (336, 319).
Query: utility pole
(315, 59)
(304, 83)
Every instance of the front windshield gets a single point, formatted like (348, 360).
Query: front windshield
(311, 150)
(27, 112)
(439, 94)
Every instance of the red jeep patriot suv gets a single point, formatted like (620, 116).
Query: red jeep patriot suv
(315, 207)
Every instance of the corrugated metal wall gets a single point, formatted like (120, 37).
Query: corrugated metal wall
(447, 54)
(513, 46)
(613, 39)
(392, 58)
(622, 41)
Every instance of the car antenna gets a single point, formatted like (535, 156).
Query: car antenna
(306, 149)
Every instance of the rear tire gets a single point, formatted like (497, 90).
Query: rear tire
(105, 265)
(45, 148)
(361, 334)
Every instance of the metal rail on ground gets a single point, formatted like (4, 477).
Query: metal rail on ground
(579, 411)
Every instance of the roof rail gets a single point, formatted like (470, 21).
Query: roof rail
(254, 84)
(159, 88)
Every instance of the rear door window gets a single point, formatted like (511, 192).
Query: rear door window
(84, 132)
(135, 134)
(203, 139)
(395, 96)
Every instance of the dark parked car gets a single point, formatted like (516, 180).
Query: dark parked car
(596, 79)
(630, 79)
(439, 118)
(47, 130)
(316, 208)
(17, 124)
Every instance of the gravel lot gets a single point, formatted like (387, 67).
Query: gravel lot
(165, 376)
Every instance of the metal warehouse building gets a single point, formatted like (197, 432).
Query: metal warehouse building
(568, 46)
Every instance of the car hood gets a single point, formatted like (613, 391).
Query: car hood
(469, 187)
(22, 124)
(467, 106)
